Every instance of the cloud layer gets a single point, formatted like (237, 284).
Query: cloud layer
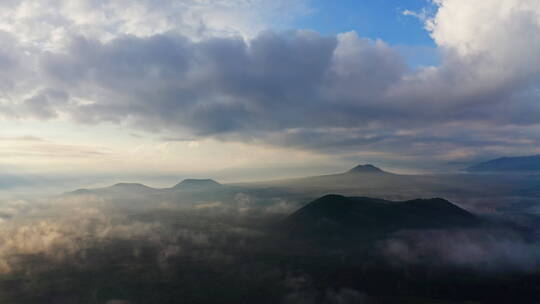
(204, 70)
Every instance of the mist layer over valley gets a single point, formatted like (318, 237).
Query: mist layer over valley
(385, 238)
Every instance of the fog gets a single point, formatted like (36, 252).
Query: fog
(205, 242)
(49, 247)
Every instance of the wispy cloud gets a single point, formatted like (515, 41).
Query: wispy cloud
(21, 138)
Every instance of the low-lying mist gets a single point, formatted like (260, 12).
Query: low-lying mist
(87, 249)
(231, 246)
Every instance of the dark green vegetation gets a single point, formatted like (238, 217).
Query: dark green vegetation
(363, 215)
(285, 241)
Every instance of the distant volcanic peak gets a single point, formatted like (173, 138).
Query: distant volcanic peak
(198, 183)
(79, 191)
(129, 185)
(116, 188)
(367, 168)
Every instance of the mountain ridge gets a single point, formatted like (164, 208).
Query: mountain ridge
(530, 163)
(186, 184)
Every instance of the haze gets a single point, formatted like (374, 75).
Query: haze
(269, 151)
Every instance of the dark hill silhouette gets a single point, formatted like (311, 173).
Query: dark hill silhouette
(141, 189)
(187, 192)
(131, 186)
(360, 215)
(197, 184)
(368, 168)
(509, 164)
(118, 189)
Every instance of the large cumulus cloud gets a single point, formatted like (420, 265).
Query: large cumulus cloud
(273, 82)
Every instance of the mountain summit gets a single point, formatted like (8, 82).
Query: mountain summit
(367, 168)
(130, 186)
(197, 184)
(119, 189)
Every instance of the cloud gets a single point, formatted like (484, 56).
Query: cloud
(22, 138)
(29, 147)
(423, 15)
(64, 227)
(43, 105)
(479, 249)
(191, 69)
(50, 23)
(57, 240)
(275, 81)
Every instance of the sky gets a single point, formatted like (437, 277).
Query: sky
(95, 91)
